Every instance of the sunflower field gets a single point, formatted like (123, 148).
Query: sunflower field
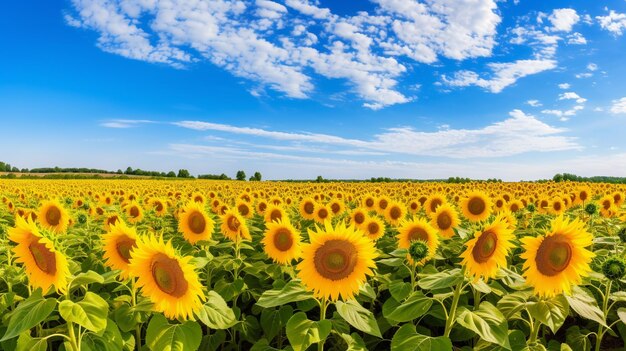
(230, 265)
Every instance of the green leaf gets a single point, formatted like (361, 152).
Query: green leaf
(414, 307)
(358, 317)
(291, 292)
(407, 339)
(27, 343)
(621, 313)
(272, 321)
(577, 339)
(28, 314)
(586, 305)
(303, 332)
(399, 289)
(441, 280)
(551, 312)
(110, 340)
(367, 291)
(215, 313)
(163, 336)
(487, 322)
(90, 313)
(85, 278)
(510, 304)
(354, 342)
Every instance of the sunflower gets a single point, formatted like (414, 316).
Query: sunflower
(118, 244)
(336, 206)
(274, 213)
(234, 226)
(445, 219)
(44, 265)
(110, 220)
(433, 202)
(134, 212)
(382, 203)
(607, 207)
(53, 216)
(557, 260)
(358, 216)
(336, 262)
(166, 279)
(244, 209)
(369, 202)
(557, 206)
(194, 223)
(486, 253)
(476, 206)
(159, 206)
(374, 228)
(307, 208)
(418, 229)
(281, 241)
(261, 206)
(395, 212)
(414, 206)
(515, 205)
(198, 197)
(322, 213)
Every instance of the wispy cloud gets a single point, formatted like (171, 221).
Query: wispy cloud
(125, 123)
(520, 133)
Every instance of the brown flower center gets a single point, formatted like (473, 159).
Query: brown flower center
(485, 247)
(309, 207)
(243, 209)
(168, 275)
(53, 216)
(418, 233)
(322, 213)
(373, 228)
(369, 202)
(124, 246)
(134, 211)
(44, 258)
(283, 239)
(395, 212)
(383, 204)
(359, 218)
(196, 222)
(335, 207)
(275, 215)
(444, 221)
(476, 206)
(554, 255)
(111, 220)
(336, 259)
(434, 204)
(233, 223)
(159, 207)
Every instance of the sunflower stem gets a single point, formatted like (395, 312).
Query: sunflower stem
(138, 326)
(534, 332)
(455, 302)
(605, 304)
(323, 306)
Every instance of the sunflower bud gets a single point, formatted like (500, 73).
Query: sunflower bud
(614, 268)
(82, 218)
(591, 208)
(531, 208)
(418, 250)
(68, 201)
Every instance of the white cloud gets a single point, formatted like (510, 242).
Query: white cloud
(572, 96)
(520, 133)
(592, 67)
(534, 103)
(564, 86)
(614, 22)
(619, 106)
(583, 75)
(504, 74)
(576, 39)
(369, 51)
(563, 19)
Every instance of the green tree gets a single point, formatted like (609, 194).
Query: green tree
(183, 173)
(171, 174)
(241, 175)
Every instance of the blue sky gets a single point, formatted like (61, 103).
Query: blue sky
(299, 88)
